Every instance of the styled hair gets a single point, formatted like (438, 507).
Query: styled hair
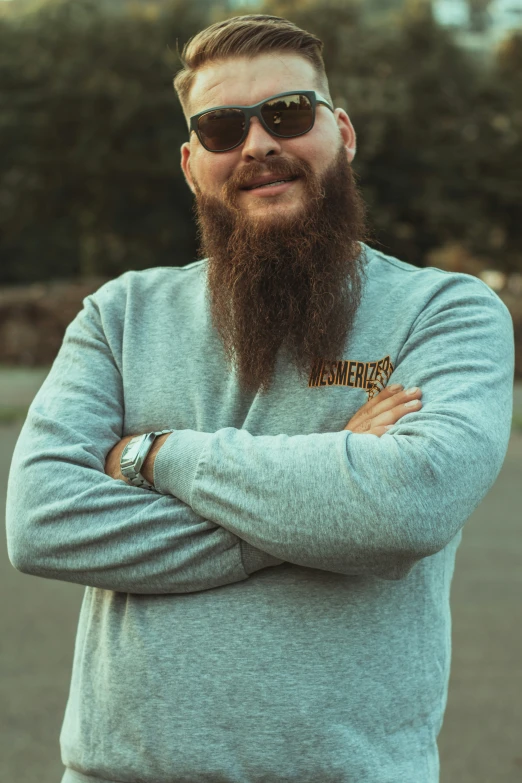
(247, 36)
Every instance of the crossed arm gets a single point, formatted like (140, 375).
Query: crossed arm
(374, 418)
(235, 503)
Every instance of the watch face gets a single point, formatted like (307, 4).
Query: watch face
(132, 450)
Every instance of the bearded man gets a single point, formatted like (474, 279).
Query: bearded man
(225, 455)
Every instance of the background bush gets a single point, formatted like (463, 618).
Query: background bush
(91, 129)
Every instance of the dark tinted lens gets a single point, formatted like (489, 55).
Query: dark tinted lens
(221, 129)
(288, 116)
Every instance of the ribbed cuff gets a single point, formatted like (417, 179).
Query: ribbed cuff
(177, 461)
(255, 559)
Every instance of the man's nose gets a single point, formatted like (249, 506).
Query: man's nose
(259, 143)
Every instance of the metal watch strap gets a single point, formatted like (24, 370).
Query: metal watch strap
(138, 480)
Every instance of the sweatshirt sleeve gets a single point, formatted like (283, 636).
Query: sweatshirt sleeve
(358, 504)
(67, 520)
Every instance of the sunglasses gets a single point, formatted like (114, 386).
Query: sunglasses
(286, 116)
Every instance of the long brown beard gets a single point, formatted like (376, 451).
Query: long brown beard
(294, 283)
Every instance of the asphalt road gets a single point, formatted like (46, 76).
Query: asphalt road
(481, 739)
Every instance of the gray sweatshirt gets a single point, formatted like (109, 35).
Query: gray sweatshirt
(281, 611)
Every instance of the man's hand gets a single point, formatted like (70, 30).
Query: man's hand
(112, 462)
(377, 415)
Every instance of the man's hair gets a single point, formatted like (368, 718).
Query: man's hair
(247, 36)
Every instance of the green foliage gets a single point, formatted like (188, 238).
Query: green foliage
(439, 138)
(91, 129)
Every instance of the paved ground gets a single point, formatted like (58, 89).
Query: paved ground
(481, 740)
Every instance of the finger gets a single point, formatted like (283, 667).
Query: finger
(394, 414)
(397, 401)
(379, 431)
(399, 398)
(367, 411)
(385, 394)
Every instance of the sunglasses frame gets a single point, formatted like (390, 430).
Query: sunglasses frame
(255, 111)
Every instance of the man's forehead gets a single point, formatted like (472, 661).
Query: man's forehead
(244, 81)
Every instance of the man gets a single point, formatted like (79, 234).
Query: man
(267, 563)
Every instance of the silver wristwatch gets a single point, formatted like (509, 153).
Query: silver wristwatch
(134, 455)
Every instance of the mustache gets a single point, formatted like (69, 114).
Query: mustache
(281, 168)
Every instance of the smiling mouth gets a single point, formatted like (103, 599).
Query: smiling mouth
(270, 184)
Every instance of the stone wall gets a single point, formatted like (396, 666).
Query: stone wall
(33, 319)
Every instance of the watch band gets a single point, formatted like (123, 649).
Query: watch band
(131, 470)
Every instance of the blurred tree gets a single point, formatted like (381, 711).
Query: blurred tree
(478, 11)
(92, 183)
(90, 129)
(380, 12)
(427, 121)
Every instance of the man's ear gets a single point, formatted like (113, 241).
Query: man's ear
(347, 132)
(185, 157)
